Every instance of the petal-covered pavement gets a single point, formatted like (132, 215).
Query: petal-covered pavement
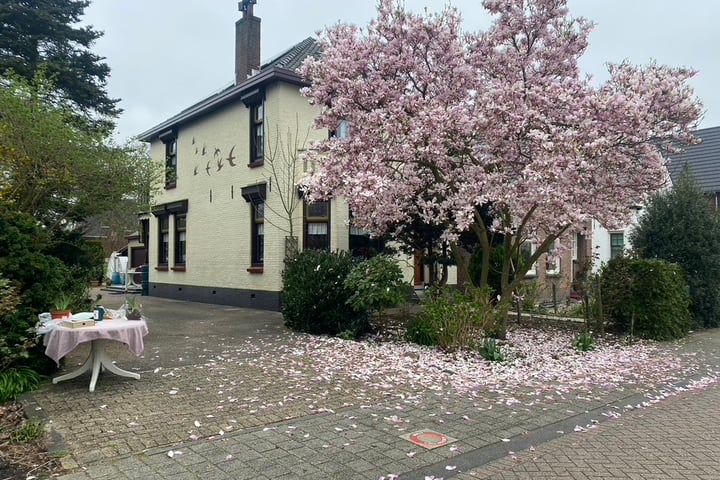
(229, 393)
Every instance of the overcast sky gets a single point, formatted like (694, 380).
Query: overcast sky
(166, 55)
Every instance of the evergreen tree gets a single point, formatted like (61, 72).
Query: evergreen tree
(679, 226)
(43, 35)
(60, 174)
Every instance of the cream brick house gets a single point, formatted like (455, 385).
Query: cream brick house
(221, 227)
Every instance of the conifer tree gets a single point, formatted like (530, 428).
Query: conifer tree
(680, 227)
(44, 35)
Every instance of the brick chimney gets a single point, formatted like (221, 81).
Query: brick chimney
(247, 42)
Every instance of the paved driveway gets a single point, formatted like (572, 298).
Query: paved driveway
(232, 394)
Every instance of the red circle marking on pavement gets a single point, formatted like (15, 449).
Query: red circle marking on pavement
(428, 439)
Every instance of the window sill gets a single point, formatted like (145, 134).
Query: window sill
(178, 268)
(255, 270)
(256, 163)
(170, 186)
(162, 268)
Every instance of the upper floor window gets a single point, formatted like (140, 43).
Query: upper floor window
(257, 133)
(170, 162)
(617, 245)
(317, 226)
(341, 131)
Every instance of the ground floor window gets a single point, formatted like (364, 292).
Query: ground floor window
(163, 240)
(258, 235)
(361, 244)
(180, 239)
(255, 195)
(617, 245)
(317, 226)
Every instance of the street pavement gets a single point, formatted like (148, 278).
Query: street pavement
(216, 401)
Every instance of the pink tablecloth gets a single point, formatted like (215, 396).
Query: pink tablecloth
(61, 340)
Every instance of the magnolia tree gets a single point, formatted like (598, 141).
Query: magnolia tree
(444, 122)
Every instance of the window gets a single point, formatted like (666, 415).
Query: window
(526, 251)
(170, 162)
(342, 131)
(180, 240)
(257, 134)
(144, 231)
(617, 245)
(255, 196)
(552, 262)
(258, 234)
(317, 226)
(361, 244)
(163, 240)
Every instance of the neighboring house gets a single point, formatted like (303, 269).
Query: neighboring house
(703, 160)
(230, 211)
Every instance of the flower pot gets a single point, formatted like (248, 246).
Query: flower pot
(60, 314)
(133, 315)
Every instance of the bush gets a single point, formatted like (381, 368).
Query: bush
(584, 342)
(490, 351)
(679, 227)
(647, 298)
(451, 319)
(37, 277)
(475, 267)
(376, 284)
(315, 298)
(422, 330)
(16, 381)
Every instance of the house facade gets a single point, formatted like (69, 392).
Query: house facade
(230, 210)
(703, 161)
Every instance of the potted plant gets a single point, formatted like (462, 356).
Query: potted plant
(133, 309)
(61, 307)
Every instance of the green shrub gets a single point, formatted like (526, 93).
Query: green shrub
(495, 272)
(490, 351)
(422, 330)
(315, 299)
(678, 227)
(29, 431)
(377, 284)
(647, 298)
(451, 319)
(16, 381)
(584, 342)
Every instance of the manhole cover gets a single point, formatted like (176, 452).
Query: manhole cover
(428, 439)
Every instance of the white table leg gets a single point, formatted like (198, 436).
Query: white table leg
(97, 359)
(88, 365)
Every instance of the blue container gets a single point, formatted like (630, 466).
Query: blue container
(116, 278)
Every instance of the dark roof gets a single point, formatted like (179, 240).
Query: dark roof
(282, 67)
(703, 160)
(293, 57)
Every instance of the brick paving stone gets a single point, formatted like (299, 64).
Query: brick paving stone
(677, 438)
(218, 381)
